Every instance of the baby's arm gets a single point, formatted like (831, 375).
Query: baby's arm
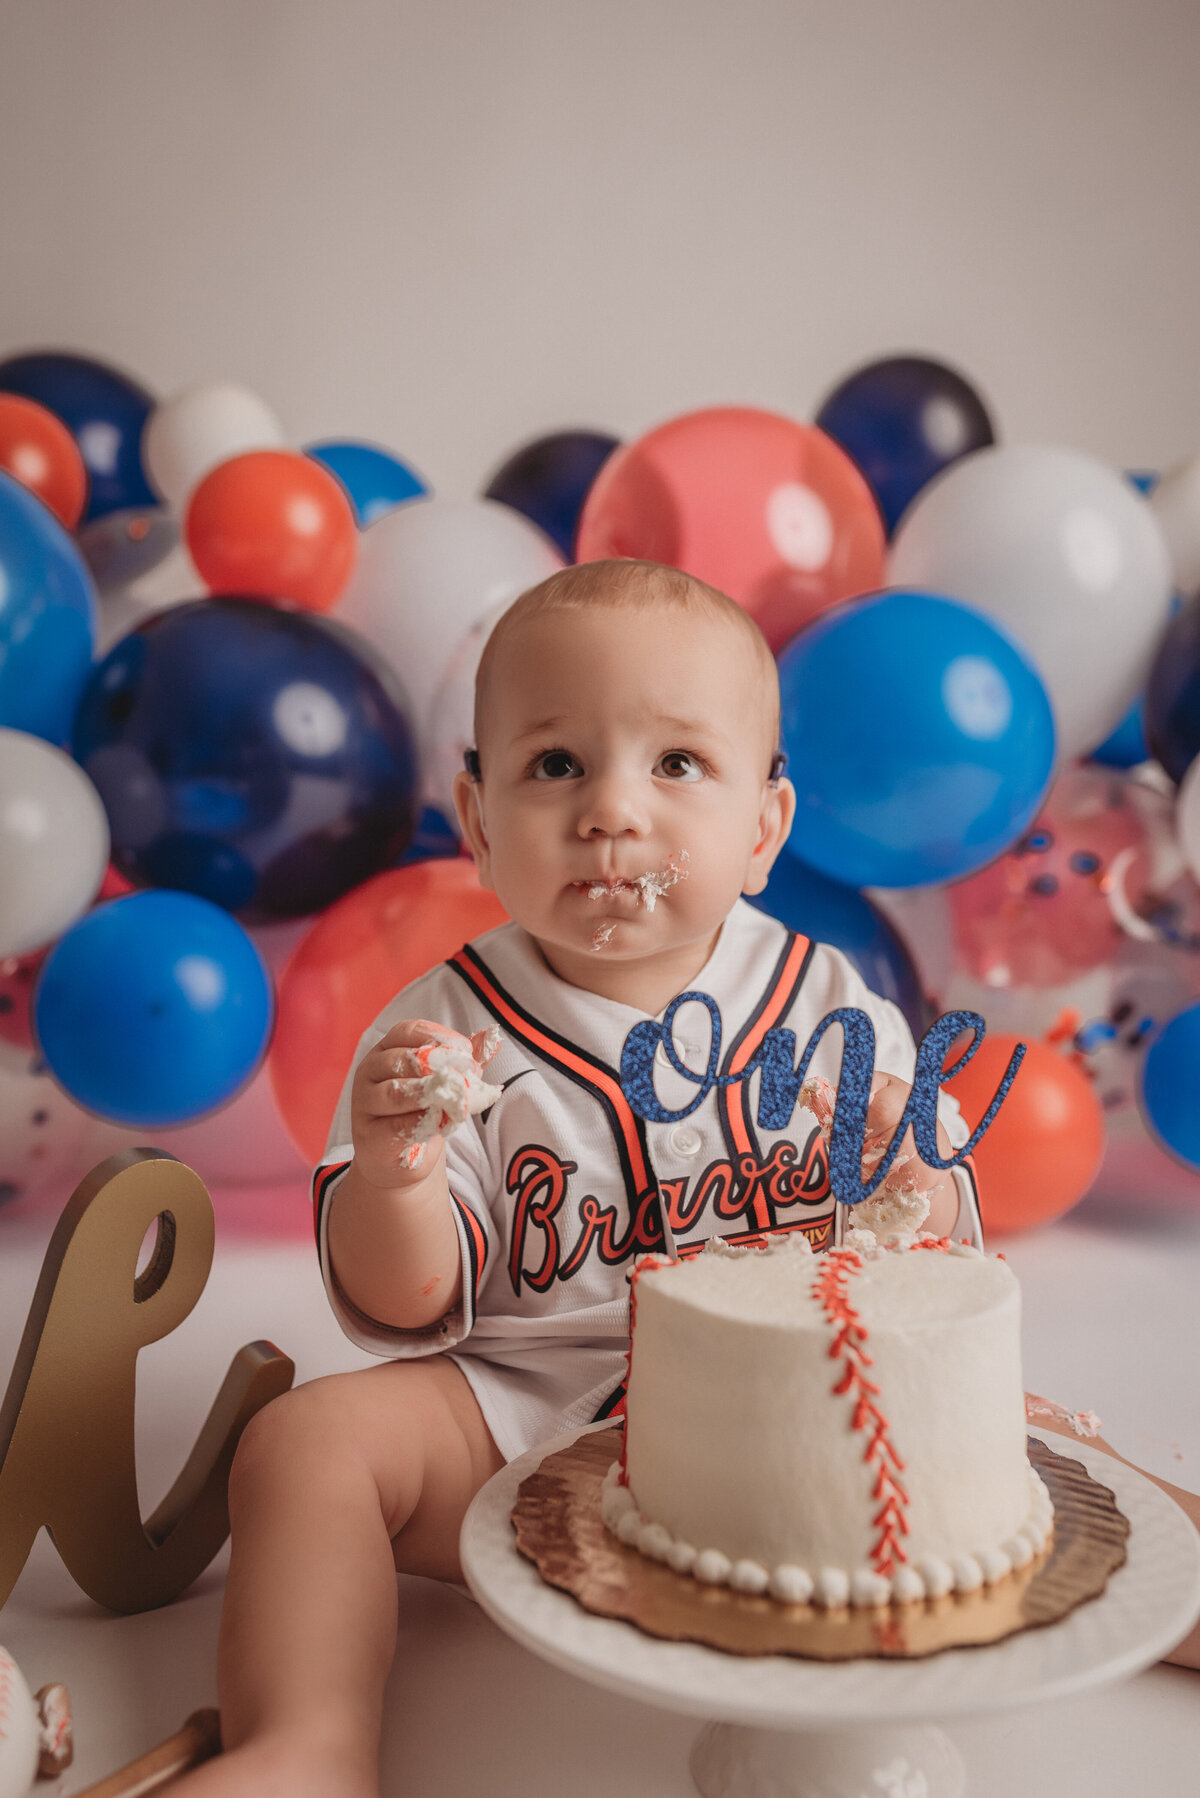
(908, 1179)
(393, 1246)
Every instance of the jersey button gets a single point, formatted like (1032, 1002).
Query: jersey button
(684, 1140)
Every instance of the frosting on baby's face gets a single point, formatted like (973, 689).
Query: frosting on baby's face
(624, 802)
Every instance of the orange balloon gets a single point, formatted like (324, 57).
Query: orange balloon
(1046, 1142)
(358, 955)
(772, 512)
(273, 524)
(37, 449)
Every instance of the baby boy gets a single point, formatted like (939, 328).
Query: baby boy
(624, 794)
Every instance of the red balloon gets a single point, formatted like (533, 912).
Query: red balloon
(37, 449)
(18, 977)
(1046, 1142)
(274, 525)
(772, 512)
(358, 955)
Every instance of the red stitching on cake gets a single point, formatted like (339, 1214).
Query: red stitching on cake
(849, 1345)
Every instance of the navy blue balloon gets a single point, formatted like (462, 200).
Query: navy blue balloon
(1170, 1084)
(1126, 746)
(103, 409)
(920, 740)
(374, 479)
(548, 480)
(260, 757)
(47, 618)
(903, 420)
(1173, 693)
(153, 1009)
(808, 901)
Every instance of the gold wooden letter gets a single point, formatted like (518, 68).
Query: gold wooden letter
(67, 1421)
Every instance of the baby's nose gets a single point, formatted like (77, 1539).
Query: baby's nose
(613, 807)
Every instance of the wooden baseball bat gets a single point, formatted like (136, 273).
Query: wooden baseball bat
(198, 1740)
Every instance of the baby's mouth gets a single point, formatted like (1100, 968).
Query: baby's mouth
(647, 889)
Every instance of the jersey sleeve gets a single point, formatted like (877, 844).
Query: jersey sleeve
(468, 1177)
(833, 981)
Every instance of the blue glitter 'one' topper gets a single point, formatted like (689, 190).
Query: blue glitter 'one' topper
(782, 1077)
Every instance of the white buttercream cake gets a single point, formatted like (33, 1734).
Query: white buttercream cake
(837, 1428)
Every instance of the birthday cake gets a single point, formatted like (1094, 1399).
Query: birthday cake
(846, 1428)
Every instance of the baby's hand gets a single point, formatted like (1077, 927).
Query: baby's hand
(415, 1086)
(904, 1198)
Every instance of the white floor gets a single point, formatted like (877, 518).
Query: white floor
(1112, 1303)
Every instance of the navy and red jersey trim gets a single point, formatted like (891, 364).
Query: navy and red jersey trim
(323, 1179)
(733, 1101)
(594, 1076)
(476, 1246)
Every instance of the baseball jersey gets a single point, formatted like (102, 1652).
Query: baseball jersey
(559, 1185)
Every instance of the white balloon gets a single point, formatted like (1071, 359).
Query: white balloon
(1175, 503)
(197, 428)
(451, 728)
(426, 573)
(1063, 554)
(54, 842)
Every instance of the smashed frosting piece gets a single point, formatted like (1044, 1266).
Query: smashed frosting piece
(892, 1211)
(604, 935)
(446, 1077)
(649, 887)
(1081, 1423)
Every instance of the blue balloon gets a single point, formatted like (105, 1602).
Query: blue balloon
(808, 901)
(920, 740)
(435, 838)
(260, 757)
(153, 1009)
(1173, 693)
(1170, 1083)
(374, 479)
(47, 618)
(1126, 746)
(547, 481)
(103, 409)
(903, 420)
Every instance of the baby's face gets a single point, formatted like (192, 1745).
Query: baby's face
(625, 801)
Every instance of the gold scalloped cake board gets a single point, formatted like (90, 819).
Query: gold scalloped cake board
(559, 1528)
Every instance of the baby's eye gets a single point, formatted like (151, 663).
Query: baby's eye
(556, 764)
(677, 764)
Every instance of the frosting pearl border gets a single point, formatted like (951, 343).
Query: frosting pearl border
(831, 1588)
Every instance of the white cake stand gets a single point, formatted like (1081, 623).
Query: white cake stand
(787, 1728)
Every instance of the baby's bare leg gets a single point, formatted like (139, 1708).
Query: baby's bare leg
(334, 1486)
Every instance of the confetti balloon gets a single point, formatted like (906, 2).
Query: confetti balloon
(1046, 910)
(40, 1129)
(771, 512)
(903, 420)
(1065, 556)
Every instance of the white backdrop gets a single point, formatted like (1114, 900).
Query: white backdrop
(450, 226)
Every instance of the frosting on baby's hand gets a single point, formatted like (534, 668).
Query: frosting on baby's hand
(447, 1082)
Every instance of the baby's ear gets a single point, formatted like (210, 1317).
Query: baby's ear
(468, 803)
(774, 824)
